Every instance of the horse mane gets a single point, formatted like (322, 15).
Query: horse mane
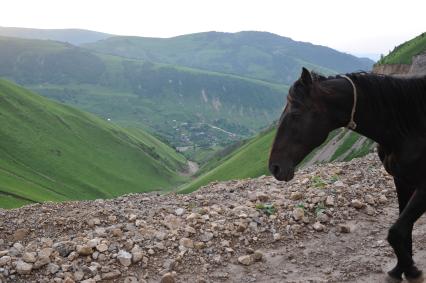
(401, 99)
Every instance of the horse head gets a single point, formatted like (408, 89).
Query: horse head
(311, 113)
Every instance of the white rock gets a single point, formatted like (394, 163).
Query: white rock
(207, 236)
(187, 243)
(329, 201)
(102, 247)
(137, 254)
(52, 268)
(356, 203)
(84, 250)
(298, 213)
(23, 267)
(383, 199)
(30, 257)
(4, 260)
(369, 199)
(124, 258)
(277, 236)
(257, 255)
(246, 260)
(318, 226)
(93, 242)
(338, 184)
(179, 211)
(296, 196)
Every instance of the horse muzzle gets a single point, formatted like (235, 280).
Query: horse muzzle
(282, 173)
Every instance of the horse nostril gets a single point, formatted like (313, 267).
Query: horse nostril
(274, 169)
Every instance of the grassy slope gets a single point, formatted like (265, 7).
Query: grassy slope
(50, 151)
(403, 53)
(250, 160)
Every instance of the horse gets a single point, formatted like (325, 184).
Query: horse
(389, 110)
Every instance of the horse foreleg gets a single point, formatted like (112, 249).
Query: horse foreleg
(400, 236)
(404, 192)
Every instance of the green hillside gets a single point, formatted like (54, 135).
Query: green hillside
(52, 152)
(183, 105)
(403, 53)
(260, 55)
(251, 159)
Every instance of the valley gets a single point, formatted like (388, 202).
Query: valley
(211, 141)
(160, 124)
(184, 106)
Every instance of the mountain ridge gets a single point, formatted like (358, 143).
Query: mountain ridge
(74, 36)
(272, 57)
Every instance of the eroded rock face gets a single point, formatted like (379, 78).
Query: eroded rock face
(191, 238)
(419, 65)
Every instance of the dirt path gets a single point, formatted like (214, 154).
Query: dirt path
(191, 169)
(329, 224)
(362, 256)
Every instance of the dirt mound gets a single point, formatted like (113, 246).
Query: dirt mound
(326, 225)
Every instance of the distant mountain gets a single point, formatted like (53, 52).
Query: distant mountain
(73, 36)
(49, 151)
(186, 106)
(250, 159)
(259, 55)
(373, 56)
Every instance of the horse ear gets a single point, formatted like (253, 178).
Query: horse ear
(306, 77)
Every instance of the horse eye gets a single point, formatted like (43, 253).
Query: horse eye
(296, 114)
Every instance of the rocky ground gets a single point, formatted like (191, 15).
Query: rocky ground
(329, 224)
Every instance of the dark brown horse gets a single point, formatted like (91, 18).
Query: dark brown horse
(390, 111)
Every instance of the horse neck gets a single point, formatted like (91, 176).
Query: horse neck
(387, 116)
(370, 122)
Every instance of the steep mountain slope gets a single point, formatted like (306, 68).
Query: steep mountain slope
(404, 53)
(73, 36)
(49, 151)
(259, 55)
(250, 160)
(186, 106)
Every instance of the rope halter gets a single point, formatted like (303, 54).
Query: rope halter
(352, 125)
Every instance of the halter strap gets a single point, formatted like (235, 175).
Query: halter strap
(352, 125)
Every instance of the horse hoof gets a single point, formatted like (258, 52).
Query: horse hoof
(418, 279)
(390, 279)
(414, 275)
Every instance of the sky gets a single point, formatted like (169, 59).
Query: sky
(358, 27)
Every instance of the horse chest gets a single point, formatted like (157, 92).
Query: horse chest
(406, 162)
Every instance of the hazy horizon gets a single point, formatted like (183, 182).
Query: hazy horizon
(372, 56)
(369, 27)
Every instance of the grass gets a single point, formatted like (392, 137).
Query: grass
(318, 182)
(404, 53)
(346, 145)
(52, 152)
(266, 208)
